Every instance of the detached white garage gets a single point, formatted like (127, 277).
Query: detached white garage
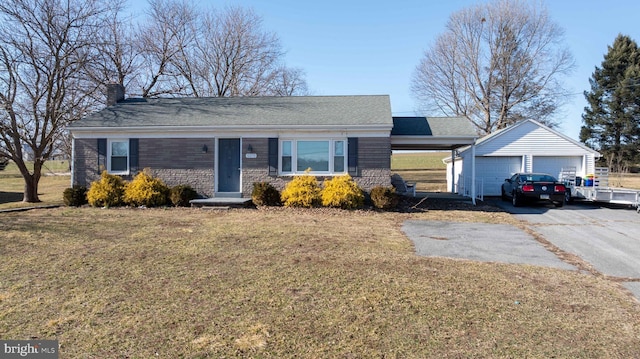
(527, 146)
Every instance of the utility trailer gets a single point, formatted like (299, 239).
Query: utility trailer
(596, 188)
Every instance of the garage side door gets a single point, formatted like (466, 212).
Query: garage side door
(493, 171)
(554, 164)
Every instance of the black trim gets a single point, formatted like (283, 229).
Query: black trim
(133, 155)
(273, 157)
(102, 154)
(352, 161)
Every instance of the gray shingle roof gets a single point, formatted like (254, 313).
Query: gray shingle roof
(432, 126)
(244, 112)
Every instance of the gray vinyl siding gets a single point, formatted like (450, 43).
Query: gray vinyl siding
(374, 152)
(260, 147)
(85, 166)
(180, 161)
(176, 153)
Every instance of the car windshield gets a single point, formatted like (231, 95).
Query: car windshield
(538, 178)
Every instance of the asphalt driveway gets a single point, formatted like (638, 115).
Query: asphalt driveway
(607, 238)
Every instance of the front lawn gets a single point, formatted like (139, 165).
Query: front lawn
(55, 178)
(280, 283)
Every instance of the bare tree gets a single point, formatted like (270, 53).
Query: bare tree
(495, 64)
(44, 47)
(187, 51)
(288, 82)
(115, 54)
(238, 57)
(161, 43)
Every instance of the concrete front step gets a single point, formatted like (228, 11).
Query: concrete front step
(220, 202)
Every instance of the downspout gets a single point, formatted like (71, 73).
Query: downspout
(453, 170)
(73, 160)
(473, 172)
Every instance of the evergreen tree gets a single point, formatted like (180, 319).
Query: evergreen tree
(612, 117)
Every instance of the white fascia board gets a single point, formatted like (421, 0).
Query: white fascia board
(436, 140)
(258, 131)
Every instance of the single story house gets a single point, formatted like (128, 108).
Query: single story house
(221, 146)
(527, 146)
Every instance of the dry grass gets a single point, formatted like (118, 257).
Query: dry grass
(426, 180)
(51, 185)
(278, 283)
(50, 191)
(426, 169)
(625, 180)
(418, 160)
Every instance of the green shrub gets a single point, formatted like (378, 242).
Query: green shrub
(75, 196)
(145, 190)
(180, 195)
(302, 191)
(264, 194)
(106, 192)
(384, 197)
(342, 192)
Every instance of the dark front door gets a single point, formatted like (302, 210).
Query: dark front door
(229, 165)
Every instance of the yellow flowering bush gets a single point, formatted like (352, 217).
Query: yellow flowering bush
(342, 192)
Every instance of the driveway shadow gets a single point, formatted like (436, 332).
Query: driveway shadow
(541, 207)
(425, 201)
(530, 208)
(8, 197)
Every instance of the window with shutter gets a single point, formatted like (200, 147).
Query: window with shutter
(118, 157)
(315, 156)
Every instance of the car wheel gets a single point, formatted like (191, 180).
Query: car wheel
(567, 197)
(504, 195)
(515, 199)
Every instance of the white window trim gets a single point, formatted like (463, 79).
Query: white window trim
(109, 148)
(294, 156)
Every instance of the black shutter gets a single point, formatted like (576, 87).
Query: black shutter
(102, 154)
(352, 161)
(133, 155)
(273, 157)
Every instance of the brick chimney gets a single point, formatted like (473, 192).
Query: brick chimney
(115, 94)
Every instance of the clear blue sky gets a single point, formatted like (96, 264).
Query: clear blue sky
(356, 47)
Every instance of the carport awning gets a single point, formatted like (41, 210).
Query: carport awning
(436, 133)
(431, 133)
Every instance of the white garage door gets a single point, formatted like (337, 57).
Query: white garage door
(554, 164)
(492, 171)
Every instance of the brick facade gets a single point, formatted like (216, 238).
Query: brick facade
(182, 161)
(174, 160)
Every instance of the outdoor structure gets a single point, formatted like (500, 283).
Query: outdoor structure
(527, 146)
(221, 146)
